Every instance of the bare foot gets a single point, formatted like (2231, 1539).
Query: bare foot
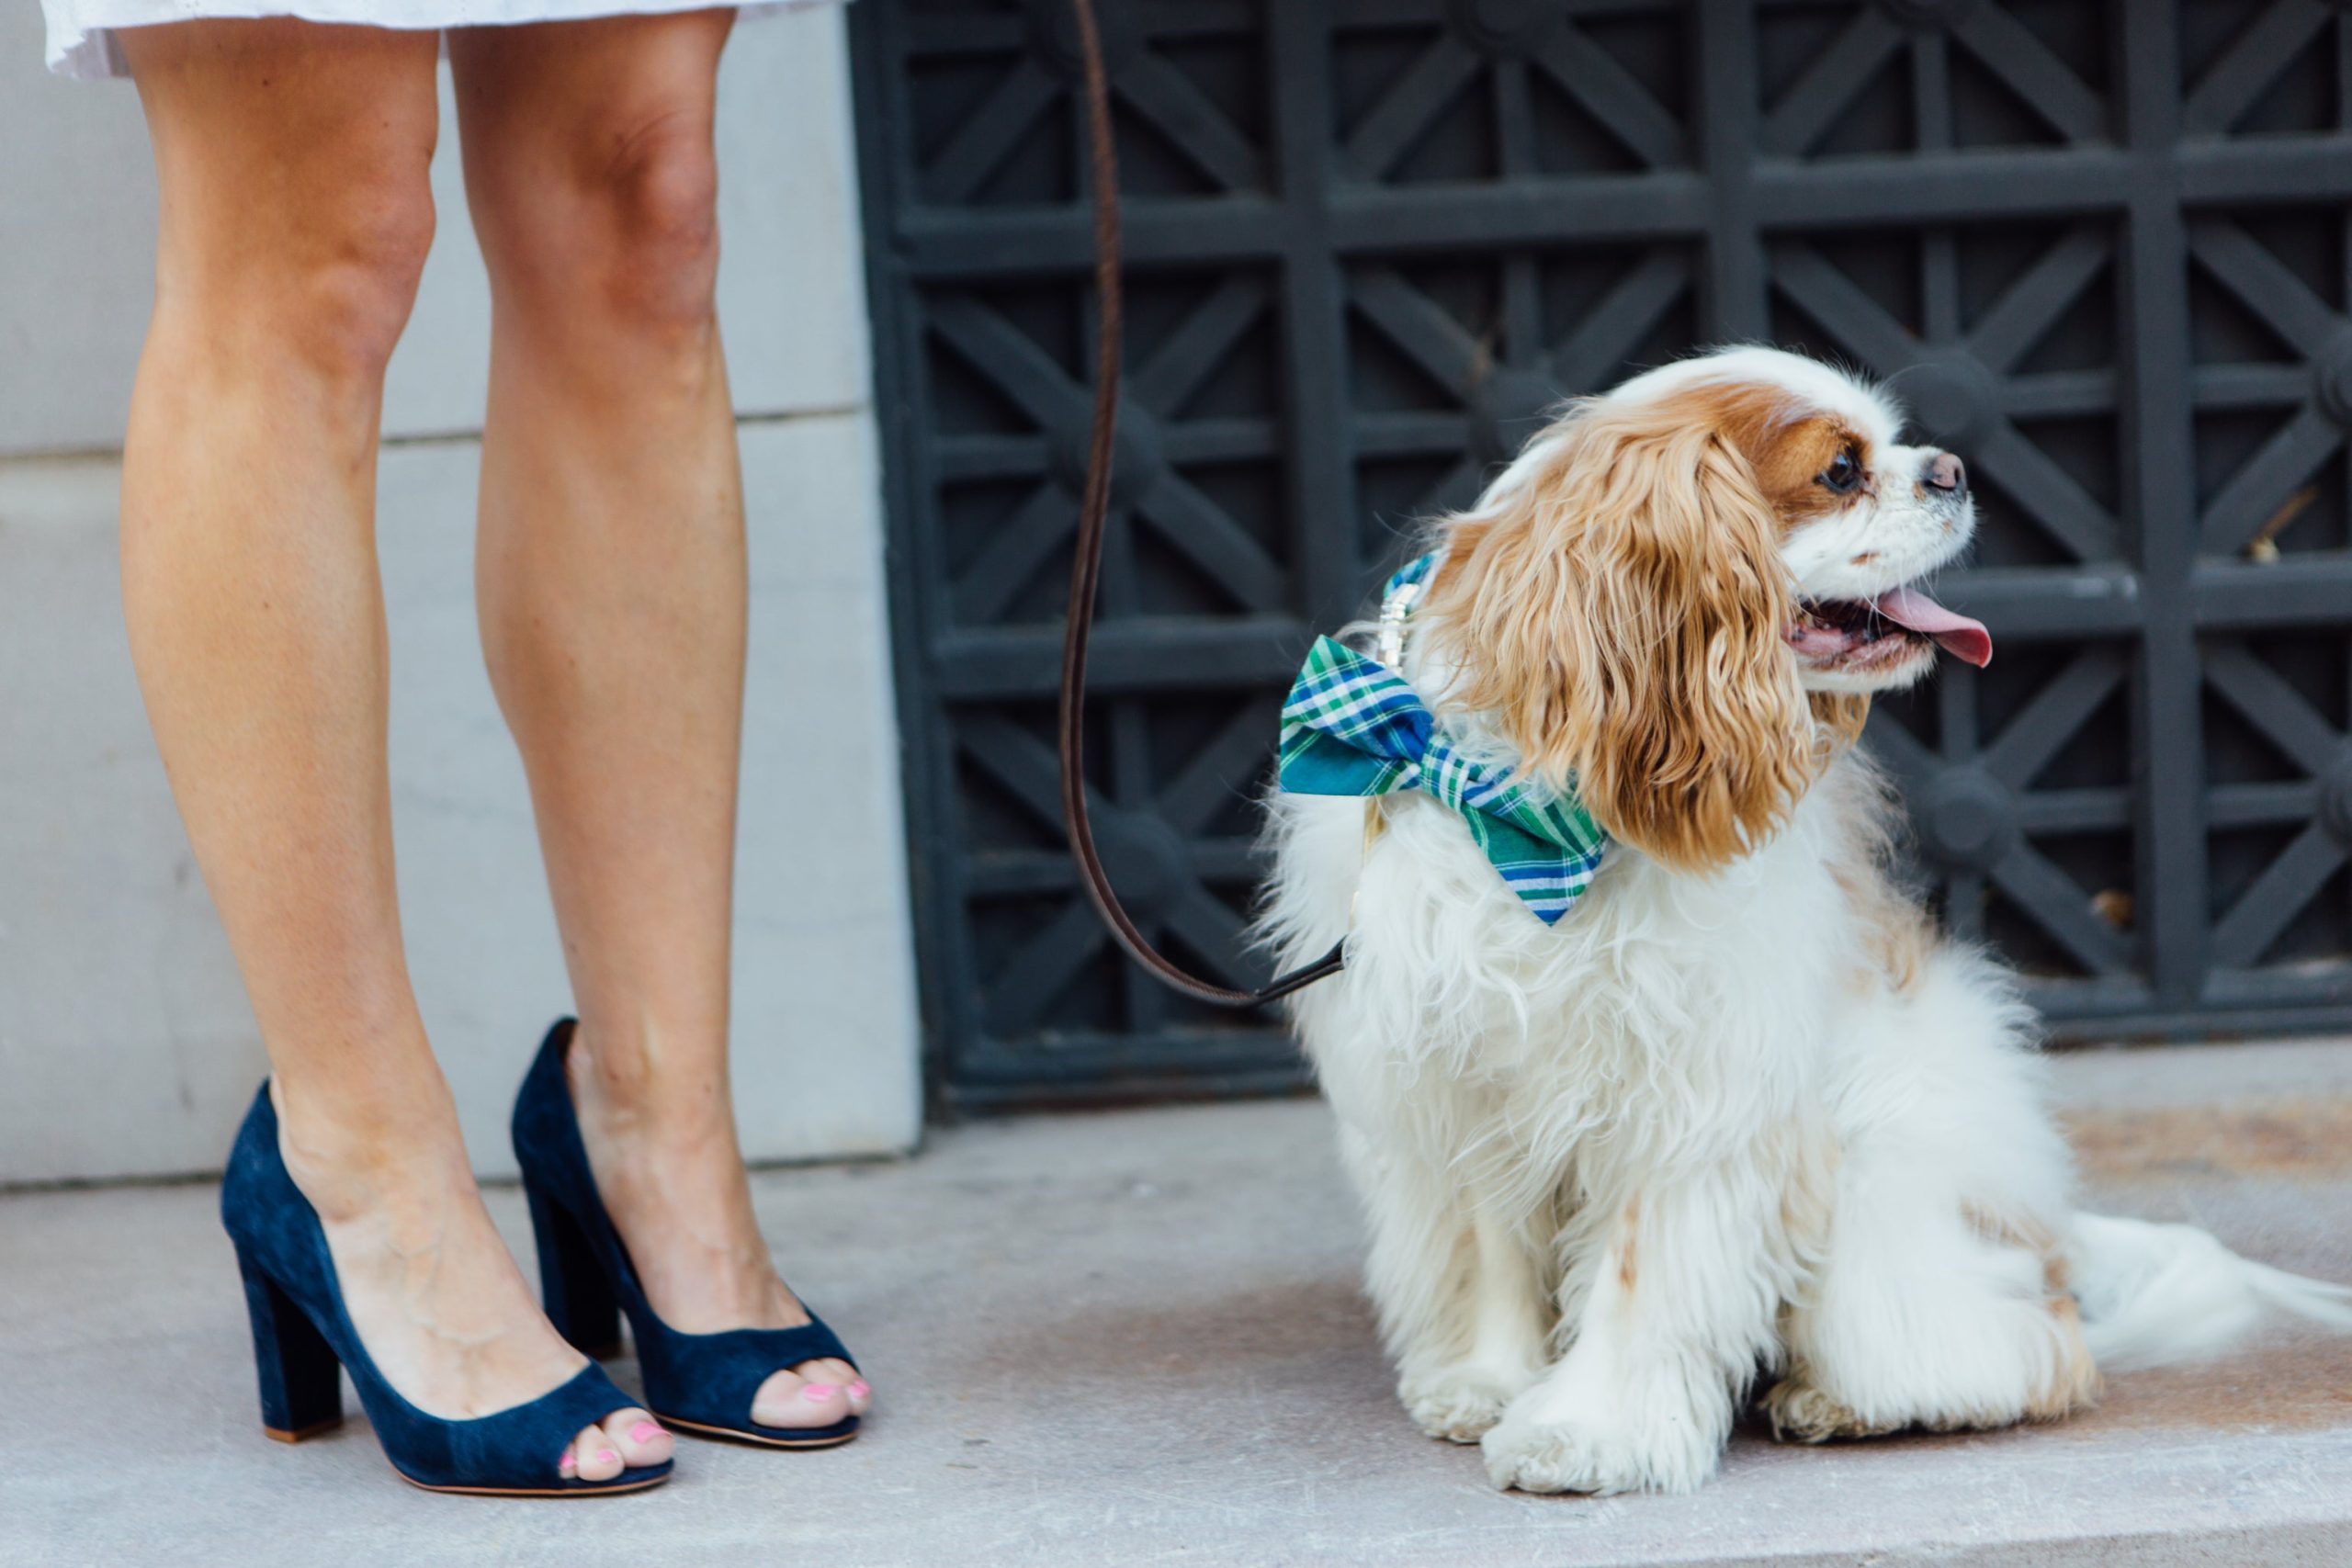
(431, 1288)
(670, 1173)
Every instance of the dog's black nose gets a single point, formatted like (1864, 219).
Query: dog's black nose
(1946, 472)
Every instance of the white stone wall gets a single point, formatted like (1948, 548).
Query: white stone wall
(125, 1045)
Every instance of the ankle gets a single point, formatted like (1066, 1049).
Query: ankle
(349, 1159)
(651, 1084)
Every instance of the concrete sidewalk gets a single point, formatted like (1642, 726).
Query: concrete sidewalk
(1137, 1337)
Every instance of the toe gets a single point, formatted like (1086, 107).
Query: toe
(844, 1376)
(594, 1455)
(640, 1440)
(788, 1399)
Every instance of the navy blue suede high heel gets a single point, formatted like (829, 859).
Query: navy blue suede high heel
(694, 1383)
(302, 1333)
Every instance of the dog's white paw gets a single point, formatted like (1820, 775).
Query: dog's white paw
(1589, 1455)
(1800, 1412)
(1459, 1404)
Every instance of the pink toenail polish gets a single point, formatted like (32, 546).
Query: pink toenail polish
(644, 1432)
(859, 1390)
(818, 1393)
(605, 1456)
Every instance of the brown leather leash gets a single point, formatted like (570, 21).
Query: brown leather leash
(1086, 570)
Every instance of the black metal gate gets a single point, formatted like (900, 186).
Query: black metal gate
(2104, 251)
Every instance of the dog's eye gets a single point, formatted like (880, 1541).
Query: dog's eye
(1843, 473)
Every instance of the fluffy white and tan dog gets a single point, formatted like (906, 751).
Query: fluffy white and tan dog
(1742, 1109)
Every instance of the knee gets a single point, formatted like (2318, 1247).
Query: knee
(652, 228)
(663, 213)
(355, 275)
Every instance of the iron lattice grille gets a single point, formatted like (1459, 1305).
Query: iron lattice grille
(2103, 249)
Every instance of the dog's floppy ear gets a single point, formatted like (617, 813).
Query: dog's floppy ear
(1616, 605)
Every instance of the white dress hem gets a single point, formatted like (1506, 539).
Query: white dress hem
(82, 42)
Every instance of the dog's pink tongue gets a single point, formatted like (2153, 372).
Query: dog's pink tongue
(1958, 635)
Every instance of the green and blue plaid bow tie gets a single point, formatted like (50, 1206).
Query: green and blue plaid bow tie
(1353, 726)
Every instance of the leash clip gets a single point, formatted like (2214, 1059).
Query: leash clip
(1393, 610)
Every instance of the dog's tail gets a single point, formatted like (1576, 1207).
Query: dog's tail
(2154, 1293)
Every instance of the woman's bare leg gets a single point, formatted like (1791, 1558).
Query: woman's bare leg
(610, 578)
(295, 218)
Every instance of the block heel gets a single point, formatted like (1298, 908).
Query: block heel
(301, 1381)
(700, 1384)
(574, 1290)
(304, 1342)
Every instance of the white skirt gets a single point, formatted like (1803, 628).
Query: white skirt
(82, 42)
